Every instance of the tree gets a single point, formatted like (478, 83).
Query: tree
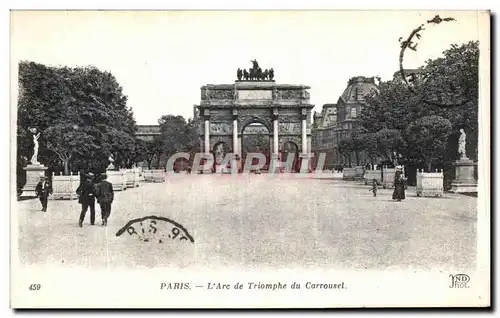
(390, 143)
(176, 133)
(256, 142)
(451, 79)
(154, 149)
(83, 102)
(193, 144)
(357, 144)
(454, 80)
(67, 140)
(392, 107)
(370, 146)
(345, 148)
(428, 137)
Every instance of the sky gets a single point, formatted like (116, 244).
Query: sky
(162, 58)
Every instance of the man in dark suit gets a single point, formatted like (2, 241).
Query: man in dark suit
(86, 197)
(105, 196)
(42, 190)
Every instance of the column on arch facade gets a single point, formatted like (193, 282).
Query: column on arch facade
(275, 147)
(275, 132)
(236, 147)
(303, 138)
(206, 117)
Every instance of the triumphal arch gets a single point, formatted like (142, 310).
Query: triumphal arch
(284, 110)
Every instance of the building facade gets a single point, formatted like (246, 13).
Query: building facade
(147, 132)
(336, 121)
(323, 137)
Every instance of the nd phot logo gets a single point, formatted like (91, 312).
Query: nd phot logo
(459, 281)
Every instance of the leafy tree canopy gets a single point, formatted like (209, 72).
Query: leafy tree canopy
(81, 112)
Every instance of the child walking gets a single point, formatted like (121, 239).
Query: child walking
(374, 187)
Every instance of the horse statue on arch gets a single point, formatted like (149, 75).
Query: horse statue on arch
(255, 73)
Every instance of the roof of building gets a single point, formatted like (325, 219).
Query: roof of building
(357, 88)
(327, 117)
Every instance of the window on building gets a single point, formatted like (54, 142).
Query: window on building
(353, 112)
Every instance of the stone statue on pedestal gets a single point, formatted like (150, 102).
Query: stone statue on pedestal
(111, 160)
(34, 170)
(34, 158)
(464, 181)
(461, 144)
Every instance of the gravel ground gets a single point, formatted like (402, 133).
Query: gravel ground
(259, 221)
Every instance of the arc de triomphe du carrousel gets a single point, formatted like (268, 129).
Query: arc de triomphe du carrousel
(283, 112)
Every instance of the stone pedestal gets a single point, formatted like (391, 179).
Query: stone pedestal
(464, 176)
(349, 173)
(235, 164)
(117, 179)
(64, 187)
(33, 174)
(360, 171)
(275, 166)
(430, 183)
(306, 163)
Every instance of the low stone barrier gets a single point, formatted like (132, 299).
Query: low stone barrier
(157, 175)
(430, 183)
(388, 177)
(360, 170)
(147, 175)
(64, 187)
(137, 176)
(337, 174)
(349, 173)
(117, 179)
(131, 178)
(373, 174)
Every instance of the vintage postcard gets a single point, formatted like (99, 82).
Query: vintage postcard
(250, 159)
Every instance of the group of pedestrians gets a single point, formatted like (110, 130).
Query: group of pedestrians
(94, 188)
(91, 189)
(399, 185)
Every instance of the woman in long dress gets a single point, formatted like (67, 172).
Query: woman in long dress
(399, 186)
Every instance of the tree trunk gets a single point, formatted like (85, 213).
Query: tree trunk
(357, 157)
(66, 167)
(429, 165)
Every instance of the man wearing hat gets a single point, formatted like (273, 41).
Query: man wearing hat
(42, 190)
(86, 197)
(105, 196)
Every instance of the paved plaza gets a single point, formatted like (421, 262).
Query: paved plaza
(258, 221)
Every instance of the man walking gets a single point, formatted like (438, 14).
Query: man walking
(42, 190)
(86, 197)
(105, 196)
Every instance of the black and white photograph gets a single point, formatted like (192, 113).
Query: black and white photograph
(249, 159)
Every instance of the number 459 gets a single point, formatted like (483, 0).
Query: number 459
(35, 287)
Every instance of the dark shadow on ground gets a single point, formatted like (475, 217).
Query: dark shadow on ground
(470, 194)
(25, 198)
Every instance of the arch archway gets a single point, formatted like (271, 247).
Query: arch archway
(220, 150)
(255, 138)
(290, 148)
(226, 111)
